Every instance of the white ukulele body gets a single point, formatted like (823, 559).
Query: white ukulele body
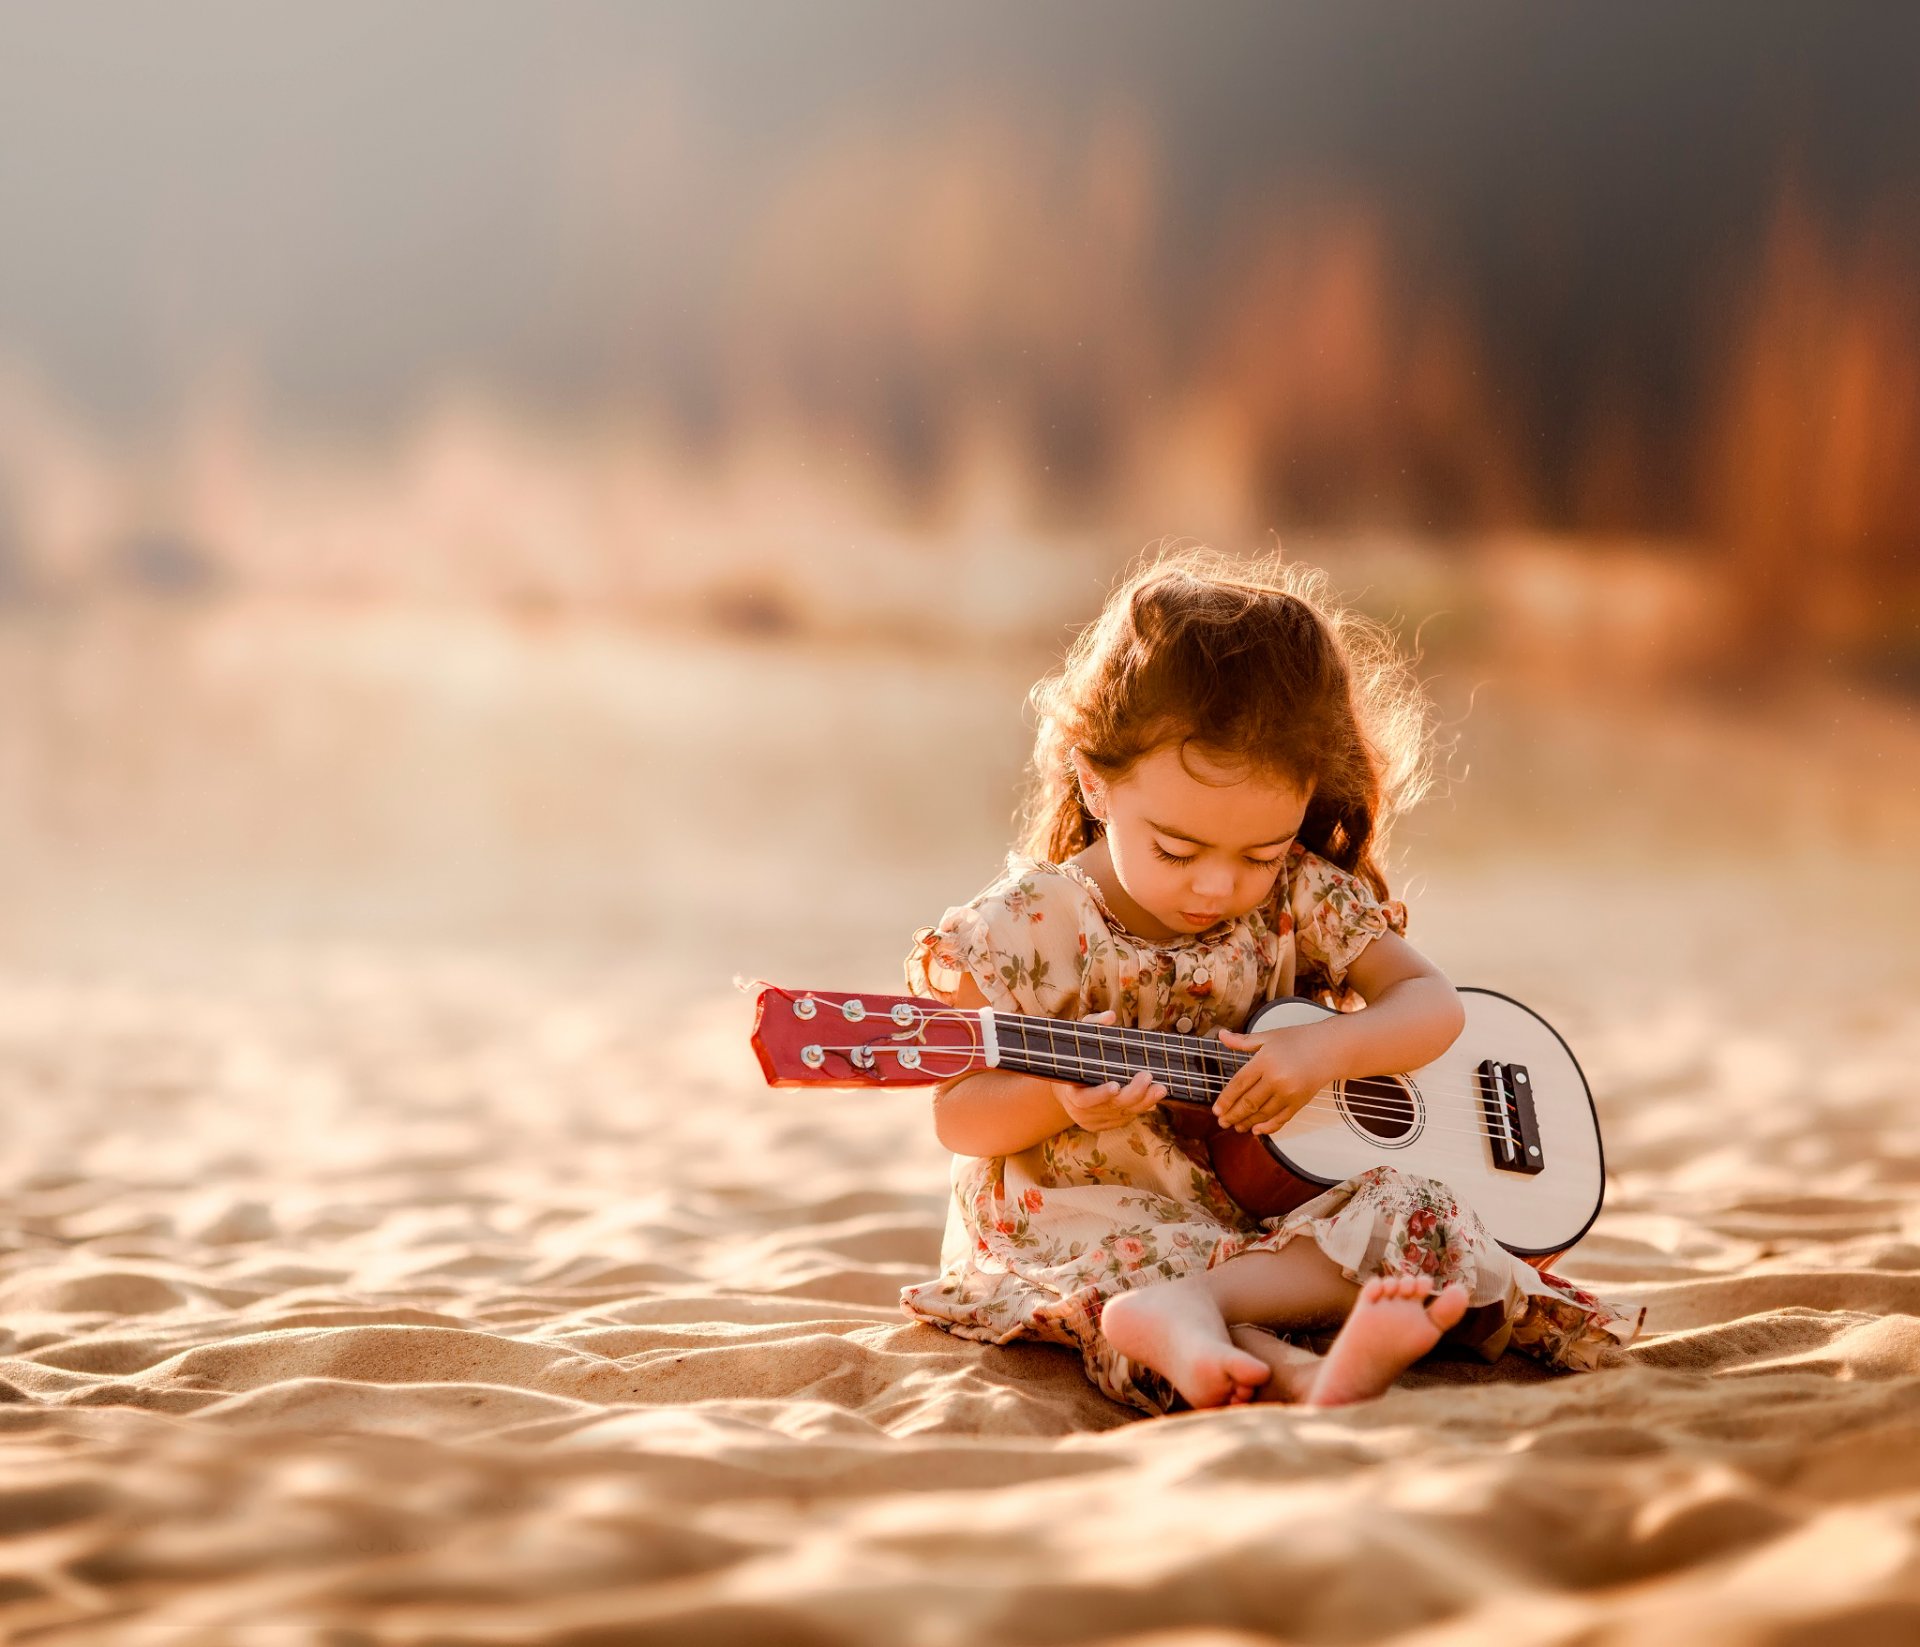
(1503, 1117)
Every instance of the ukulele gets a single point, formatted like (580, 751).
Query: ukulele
(1503, 1117)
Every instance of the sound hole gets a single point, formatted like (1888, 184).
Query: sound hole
(1380, 1106)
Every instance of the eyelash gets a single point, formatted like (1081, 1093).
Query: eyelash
(1165, 856)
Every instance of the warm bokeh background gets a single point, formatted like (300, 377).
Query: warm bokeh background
(432, 441)
(510, 515)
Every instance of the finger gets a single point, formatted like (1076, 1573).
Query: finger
(1260, 1096)
(1153, 1095)
(1274, 1123)
(1245, 1108)
(1234, 1095)
(1092, 1097)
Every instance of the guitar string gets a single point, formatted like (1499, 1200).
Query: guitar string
(1187, 1054)
(1473, 1092)
(1442, 1151)
(1322, 1101)
(1208, 1066)
(1214, 1056)
(1381, 1105)
(1184, 1046)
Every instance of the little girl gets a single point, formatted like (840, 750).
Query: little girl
(1216, 767)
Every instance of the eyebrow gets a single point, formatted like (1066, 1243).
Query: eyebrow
(1182, 835)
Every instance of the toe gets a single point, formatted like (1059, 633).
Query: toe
(1247, 1368)
(1446, 1310)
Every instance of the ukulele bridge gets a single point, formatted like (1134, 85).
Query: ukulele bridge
(1513, 1130)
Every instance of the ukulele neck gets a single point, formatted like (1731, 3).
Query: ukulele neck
(1063, 1050)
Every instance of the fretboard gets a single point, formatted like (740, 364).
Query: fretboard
(1087, 1054)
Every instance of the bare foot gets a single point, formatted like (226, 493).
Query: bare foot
(1176, 1328)
(1395, 1321)
(1294, 1368)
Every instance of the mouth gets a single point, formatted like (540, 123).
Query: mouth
(1194, 919)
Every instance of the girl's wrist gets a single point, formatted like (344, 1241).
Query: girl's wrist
(1339, 1045)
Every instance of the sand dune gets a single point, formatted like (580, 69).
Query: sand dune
(386, 1293)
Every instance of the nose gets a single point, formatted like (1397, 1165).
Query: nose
(1213, 881)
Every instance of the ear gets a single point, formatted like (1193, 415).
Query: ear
(1090, 784)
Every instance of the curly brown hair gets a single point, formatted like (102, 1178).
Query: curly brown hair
(1251, 662)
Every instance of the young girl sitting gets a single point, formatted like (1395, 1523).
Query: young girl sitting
(1216, 766)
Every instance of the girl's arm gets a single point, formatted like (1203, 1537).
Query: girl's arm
(1413, 1014)
(994, 1111)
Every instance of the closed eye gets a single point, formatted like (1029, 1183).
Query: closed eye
(1165, 856)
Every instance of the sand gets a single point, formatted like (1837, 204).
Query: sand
(391, 1288)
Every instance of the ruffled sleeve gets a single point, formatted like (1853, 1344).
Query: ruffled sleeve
(1020, 941)
(1335, 915)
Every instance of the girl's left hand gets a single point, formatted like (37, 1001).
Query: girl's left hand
(1289, 1066)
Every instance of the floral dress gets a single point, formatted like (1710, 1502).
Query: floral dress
(1037, 1241)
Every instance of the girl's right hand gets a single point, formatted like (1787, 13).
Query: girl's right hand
(1109, 1105)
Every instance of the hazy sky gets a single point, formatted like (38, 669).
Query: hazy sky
(362, 200)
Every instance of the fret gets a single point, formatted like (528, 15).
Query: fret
(1204, 1077)
(1092, 1040)
(1099, 1043)
(1159, 1060)
(1189, 1066)
(1016, 1047)
(1194, 1065)
(1100, 1052)
(1062, 1057)
(1019, 1047)
(1086, 1041)
(1227, 1062)
(1039, 1056)
(1015, 1051)
(1202, 1081)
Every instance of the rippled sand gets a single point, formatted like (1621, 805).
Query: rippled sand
(399, 1245)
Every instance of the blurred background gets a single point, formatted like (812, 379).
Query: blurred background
(601, 477)
(512, 514)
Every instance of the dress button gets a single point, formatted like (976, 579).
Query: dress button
(1183, 1025)
(1201, 975)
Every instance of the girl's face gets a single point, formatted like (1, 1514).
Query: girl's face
(1189, 853)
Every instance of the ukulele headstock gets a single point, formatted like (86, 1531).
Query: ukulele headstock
(825, 1037)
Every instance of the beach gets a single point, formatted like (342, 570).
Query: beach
(401, 1246)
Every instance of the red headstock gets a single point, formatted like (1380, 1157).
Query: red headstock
(821, 1037)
